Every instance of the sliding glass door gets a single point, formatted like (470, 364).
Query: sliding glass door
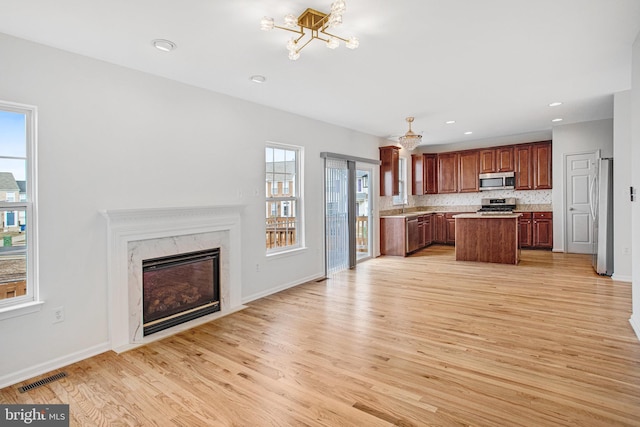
(347, 213)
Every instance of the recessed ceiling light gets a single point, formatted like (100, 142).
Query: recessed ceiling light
(258, 78)
(555, 104)
(450, 122)
(163, 45)
(468, 132)
(557, 120)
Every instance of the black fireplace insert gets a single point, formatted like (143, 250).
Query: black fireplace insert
(179, 288)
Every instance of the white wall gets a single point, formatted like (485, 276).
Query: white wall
(568, 139)
(635, 158)
(114, 138)
(622, 167)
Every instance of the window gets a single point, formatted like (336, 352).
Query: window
(401, 198)
(283, 221)
(18, 284)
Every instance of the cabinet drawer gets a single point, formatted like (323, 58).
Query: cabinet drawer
(526, 215)
(542, 215)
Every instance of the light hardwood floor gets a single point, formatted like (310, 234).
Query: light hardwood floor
(415, 341)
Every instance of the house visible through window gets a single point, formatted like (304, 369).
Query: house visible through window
(283, 208)
(18, 284)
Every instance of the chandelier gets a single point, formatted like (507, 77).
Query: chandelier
(312, 25)
(410, 140)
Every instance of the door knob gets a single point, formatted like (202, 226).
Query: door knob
(572, 209)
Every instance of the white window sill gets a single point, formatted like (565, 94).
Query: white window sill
(285, 253)
(20, 309)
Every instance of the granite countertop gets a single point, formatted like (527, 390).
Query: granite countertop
(424, 210)
(488, 216)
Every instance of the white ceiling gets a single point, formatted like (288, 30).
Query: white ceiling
(491, 65)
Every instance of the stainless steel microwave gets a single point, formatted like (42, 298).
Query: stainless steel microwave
(497, 181)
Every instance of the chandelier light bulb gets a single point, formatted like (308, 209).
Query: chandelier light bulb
(290, 21)
(353, 43)
(292, 45)
(335, 20)
(332, 43)
(338, 7)
(294, 55)
(266, 23)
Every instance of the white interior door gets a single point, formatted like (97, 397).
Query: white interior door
(580, 173)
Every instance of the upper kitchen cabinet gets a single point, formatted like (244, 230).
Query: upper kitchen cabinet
(504, 159)
(487, 160)
(448, 172)
(469, 171)
(389, 157)
(499, 159)
(533, 166)
(523, 167)
(542, 165)
(424, 174)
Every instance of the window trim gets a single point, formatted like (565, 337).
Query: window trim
(30, 302)
(401, 199)
(298, 184)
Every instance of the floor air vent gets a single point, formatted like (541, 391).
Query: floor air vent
(42, 382)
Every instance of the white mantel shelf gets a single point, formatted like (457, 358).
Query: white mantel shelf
(135, 234)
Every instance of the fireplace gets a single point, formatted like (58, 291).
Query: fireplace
(179, 288)
(135, 235)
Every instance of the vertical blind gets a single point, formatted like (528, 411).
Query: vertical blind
(336, 214)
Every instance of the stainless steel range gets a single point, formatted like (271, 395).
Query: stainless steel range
(497, 206)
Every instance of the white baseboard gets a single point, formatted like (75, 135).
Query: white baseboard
(635, 324)
(272, 291)
(43, 368)
(618, 278)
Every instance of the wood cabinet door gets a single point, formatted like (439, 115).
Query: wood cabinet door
(428, 230)
(417, 174)
(450, 224)
(488, 161)
(542, 165)
(448, 173)
(439, 228)
(525, 238)
(469, 166)
(523, 169)
(413, 235)
(430, 166)
(504, 159)
(543, 230)
(389, 157)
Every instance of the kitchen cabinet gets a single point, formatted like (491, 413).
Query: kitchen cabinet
(469, 169)
(523, 167)
(428, 230)
(525, 229)
(450, 229)
(533, 166)
(448, 172)
(414, 232)
(439, 228)
(504, 159)
(402, 235)
(542, 230)
(499, 159)
(389, 173)
(417, 174)
(487, 160)
(541, 157)
(424, 170)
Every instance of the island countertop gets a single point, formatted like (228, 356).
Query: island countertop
(488, 216)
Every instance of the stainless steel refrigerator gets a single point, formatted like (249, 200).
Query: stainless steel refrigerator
(602, 214)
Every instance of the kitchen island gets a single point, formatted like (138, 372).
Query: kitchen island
(487, 238)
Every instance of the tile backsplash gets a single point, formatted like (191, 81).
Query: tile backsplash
(529, 197)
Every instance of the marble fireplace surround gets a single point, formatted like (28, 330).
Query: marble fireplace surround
(137, 234)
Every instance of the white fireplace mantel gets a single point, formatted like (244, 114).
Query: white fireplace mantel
(134, 233)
